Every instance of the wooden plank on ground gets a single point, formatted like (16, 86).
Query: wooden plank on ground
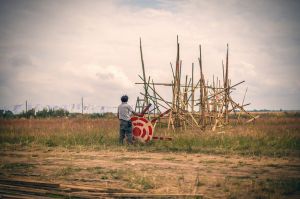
(29, 189)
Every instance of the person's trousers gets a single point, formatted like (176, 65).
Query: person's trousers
(125, 130)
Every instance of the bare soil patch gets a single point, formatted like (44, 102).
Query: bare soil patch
(213, 176)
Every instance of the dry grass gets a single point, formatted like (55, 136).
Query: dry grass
(71, 150)
(275, 135)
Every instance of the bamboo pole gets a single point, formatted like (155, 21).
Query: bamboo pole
(155, 102)
(225, 89)
(202, 91)
(144, 74)
(242, 104)
(173, 75)
(193, 91)
(226, 86)
(158, 95)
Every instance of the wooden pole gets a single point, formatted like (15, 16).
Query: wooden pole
(173, 75)
(144, 74)
(202, 92)
(177, 86)
(193, 92)
(137, 104)
(227, 90)
(82, 105)
(223, 73)
(155, 101)
(242, 104)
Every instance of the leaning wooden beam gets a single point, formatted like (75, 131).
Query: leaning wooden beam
(173, 75)
(157, 102)
(156, 98)
(242, 108)
(194, 120)
(252, 119)
(136, 104)
(158, 95)
(144, 74)
(226, 86)
(225, 89)
(154, 93)
(147, 93)
(242, 103)
(233, 108)
(193, 90)
(182, 118)
(237, 107)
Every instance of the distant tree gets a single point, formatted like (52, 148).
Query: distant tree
(6, 114)
(42, 114)
(29, 114)
(52, 113)
(95, 115)
(109, 115)
(1, 113)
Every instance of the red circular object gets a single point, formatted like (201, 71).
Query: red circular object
(136, 132)
(142, 129)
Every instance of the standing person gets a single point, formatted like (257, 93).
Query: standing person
(124, 113)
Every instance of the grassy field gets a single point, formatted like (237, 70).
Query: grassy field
(257, 160)
(271, 135)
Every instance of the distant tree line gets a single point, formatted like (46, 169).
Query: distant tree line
(50, 113)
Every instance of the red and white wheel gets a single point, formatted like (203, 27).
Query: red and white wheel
(142, 129)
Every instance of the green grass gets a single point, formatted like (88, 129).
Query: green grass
(65, 171)
(273, 136)
(131, 178)
(95, 170)
(16, 165)
(239, 186)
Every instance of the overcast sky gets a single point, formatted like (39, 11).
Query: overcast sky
(56, 51)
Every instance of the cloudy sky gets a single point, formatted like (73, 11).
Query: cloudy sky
(55, 52)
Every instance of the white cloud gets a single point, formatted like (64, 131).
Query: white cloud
(91, 48)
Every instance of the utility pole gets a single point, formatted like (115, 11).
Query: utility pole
(82, 105)
(26, 107)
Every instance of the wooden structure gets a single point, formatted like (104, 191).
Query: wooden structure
(196, 103)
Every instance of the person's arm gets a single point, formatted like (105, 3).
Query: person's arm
(135, 113)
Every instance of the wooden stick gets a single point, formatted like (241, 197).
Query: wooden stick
(158, 95)
(144, 74)
(193, 90)
(242, 103)
(226, 87)
(173, 75)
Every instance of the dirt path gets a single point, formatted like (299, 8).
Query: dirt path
(213, 176)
